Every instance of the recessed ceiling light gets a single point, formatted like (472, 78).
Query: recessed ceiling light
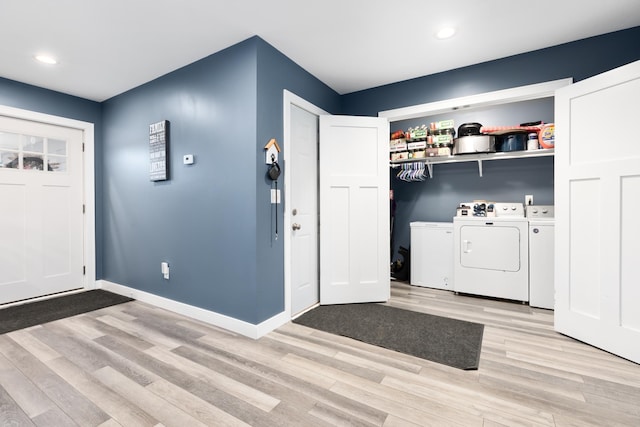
(446, 33)
(46, 59)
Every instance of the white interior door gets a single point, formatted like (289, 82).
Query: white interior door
(303, 209)
(597, 200)
(354, 209)
(41, 212)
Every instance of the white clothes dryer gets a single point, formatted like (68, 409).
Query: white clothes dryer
(492, 254)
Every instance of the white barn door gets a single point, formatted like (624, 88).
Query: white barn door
(41, 209)
(597, 199)
(354, 210)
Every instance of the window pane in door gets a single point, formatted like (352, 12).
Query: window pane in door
(32, 162)
(8, 159)
(33, 144)
(10, 140)
(57, 147)
(57, 163)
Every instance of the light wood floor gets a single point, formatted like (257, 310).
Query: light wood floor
(135, 365)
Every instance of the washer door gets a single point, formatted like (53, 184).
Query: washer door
(490, 247)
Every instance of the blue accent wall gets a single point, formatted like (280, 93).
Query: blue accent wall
(502, 181)
(202, 220)
(19, 95)
(212, 221)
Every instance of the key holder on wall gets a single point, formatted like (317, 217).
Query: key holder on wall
(271, 155)
(273, 172)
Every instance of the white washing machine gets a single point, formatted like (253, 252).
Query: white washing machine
(491, 253)
(541, 256)
(432, 254)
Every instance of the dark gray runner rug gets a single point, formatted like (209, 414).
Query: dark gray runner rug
(38, 312)
(448, 341)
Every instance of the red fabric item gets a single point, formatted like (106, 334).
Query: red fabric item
(501, 130)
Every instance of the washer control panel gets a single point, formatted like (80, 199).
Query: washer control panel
(509, 209)
(540, 211)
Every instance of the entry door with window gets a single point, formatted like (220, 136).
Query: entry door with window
(41, 209)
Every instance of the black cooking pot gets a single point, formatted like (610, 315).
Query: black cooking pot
(515, 141)
(468, 129)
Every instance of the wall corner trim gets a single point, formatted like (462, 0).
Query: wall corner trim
(216, 319)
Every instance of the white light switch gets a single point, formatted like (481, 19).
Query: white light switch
(275, 196)
(187, 159)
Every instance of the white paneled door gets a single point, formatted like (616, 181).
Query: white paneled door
(354, 209)
(597, 201)
(304, 209)
(41, 209)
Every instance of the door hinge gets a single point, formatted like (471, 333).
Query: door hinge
(83, 147)
(83, 208)
(84, 270)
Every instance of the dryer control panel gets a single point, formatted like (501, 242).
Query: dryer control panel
(509, 209)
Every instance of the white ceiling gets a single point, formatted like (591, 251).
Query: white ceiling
(107, 47)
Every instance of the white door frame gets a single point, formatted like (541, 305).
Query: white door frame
(89, 251)
(289, 100)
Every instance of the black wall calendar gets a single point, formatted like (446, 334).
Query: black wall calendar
(159, 151)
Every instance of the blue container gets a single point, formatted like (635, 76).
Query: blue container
(511, 142)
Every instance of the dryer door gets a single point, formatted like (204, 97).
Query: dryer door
(490, 247)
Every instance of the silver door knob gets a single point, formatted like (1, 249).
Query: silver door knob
(296, 226)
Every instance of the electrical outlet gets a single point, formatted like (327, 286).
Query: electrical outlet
(164, 268)
(528, 199)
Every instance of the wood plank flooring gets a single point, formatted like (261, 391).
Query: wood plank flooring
(137, 365)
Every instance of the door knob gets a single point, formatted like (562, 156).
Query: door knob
(296, 226)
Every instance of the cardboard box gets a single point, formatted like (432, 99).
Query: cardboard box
(397, 145)
(416, 145)
(401, 155)
(443, 124)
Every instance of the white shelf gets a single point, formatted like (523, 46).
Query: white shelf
(478, 157)
(500, 97)
(482, 100)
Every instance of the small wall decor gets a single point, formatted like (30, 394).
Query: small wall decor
(159, 151)
(273, 149)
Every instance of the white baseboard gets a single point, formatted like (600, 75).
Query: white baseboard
(220, 320)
